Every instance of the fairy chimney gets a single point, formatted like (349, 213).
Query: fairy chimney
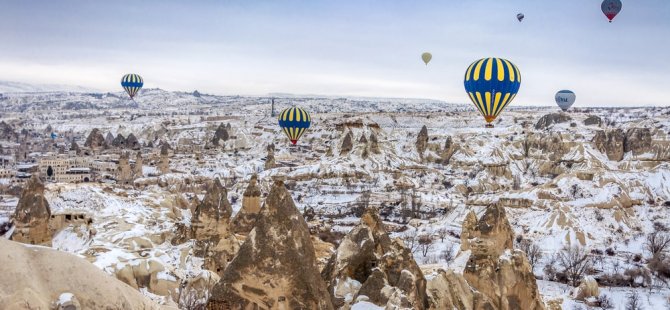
(422, 140)
(210, 228)
(347, 145)
(32, 215)
(276, 266)
(164, 162)
(251, 204)
(137, 170)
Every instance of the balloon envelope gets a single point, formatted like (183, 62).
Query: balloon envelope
(54, 135)
(520, 16)
(294, 122)
(491, 84)
(611, 8)
(565, 99)
(132, 83)
(426, 57)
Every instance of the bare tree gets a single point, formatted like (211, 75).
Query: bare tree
(575, 261)
(442, 233)
(633, 301)
(605, 302)
(425, 244)
(532, 250)
(448, 253)
(657, 243)
(410, 238)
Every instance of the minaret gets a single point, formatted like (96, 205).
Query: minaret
(273, 107)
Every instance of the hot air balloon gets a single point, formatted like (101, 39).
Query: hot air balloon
(520, 16)
(294, 122)
(611, 8)
(492, 83)
(132, 83)
(565, 99)
(426, 57)
(54, 136)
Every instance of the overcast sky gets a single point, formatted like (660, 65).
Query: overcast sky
(356, 47)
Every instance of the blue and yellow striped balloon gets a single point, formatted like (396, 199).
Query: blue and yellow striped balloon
(491, 84)
(132, 83)
(294, 122)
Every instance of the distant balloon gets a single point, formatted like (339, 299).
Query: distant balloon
(565, 99)
(132, 83)
(294, 122)
(520, 16)
(426, 57)
(54, 135)
(611, 8)
(492, 83)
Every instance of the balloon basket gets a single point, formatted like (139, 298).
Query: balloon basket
(489, 126)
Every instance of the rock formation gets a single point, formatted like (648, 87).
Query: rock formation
(109, 139)
(422, 140)
(164, 162)
(132, 142)
(38, 278)
(449, 290)
(374, 143)
(347, 144)
(95, 140)
(368, 263)
(276, 266)
(500, 273)
(363, 139)
(137, 170)
(124, 173)
(119, 141)
(593, 120)
(610, 143)
(469, 230)
(270, 159)
(32, 215)
(449, 149)
(587, 288)
(75, 147)
(638, 141)
(552, 118)
(221, 134)
(251, 204)
(210, 227)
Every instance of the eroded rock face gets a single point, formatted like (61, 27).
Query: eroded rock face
(251, 204)
(347, 145)
(42, 275)
(610, 143)
(500, 273)
(32, 215)
(469, 230)
(587, 288)
(449, 290)
(276, 266)
(550, 119)
(368, 263)
(211, 228)
(422, 140)
(95, 140)
(638, 141)
(164, 162)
